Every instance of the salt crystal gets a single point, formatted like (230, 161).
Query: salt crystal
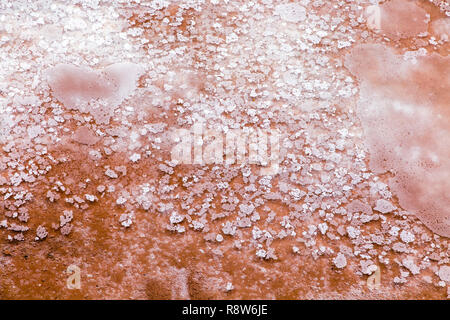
(340, 261)
(135, 157)
(407, 236)
(110, 173)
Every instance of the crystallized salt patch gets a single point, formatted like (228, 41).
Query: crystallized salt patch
(291, 12)
(384, 206)
(84, 135)
(340, 261)
(444, 273)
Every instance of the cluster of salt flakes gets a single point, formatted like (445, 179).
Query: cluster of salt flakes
(92, 92)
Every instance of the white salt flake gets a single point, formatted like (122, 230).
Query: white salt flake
(90, 197)
(135, 157)
(125, 220)
(121, 200)
(353, 232)
(409, 264)
(340, 261)
(384, 206)
(229, 286)
(41, 233)
(407, 236)
(111, 173)
(176, 218)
